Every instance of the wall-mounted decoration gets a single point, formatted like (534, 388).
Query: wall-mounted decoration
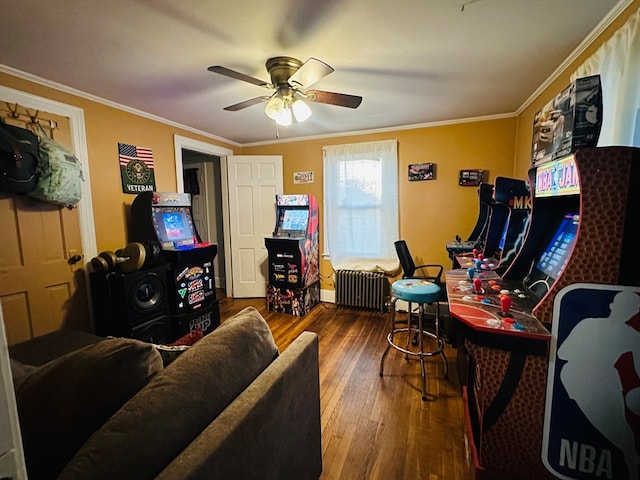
(136, 169)
(471, 178)
(302, 177)
(421, 171)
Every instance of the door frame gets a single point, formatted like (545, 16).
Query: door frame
(187, 143)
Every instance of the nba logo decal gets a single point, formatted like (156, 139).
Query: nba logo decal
(592, 412)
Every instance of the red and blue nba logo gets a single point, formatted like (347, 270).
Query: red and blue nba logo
(592, 413)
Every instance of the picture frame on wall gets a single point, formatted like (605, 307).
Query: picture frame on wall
(471, 178)
(421, 171)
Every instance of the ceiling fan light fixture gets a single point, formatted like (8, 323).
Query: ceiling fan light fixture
(274, 106)
(301, 110)
(281, 109)
(278, 108)
(284, 118)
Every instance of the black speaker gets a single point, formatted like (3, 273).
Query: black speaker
(133, 304)
(159, 330)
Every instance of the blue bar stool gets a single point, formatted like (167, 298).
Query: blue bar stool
(423, 293)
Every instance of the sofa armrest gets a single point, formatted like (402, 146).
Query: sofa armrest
(270, 431)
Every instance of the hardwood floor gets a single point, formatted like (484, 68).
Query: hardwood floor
(373, 427)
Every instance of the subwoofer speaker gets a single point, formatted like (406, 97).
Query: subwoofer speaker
(158, 330)
(132, 304)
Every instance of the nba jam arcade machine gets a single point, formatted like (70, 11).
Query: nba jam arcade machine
(294, 275)
(166, 218)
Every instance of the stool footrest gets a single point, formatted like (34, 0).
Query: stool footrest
(429, 353)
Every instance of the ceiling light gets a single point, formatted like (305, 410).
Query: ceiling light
(301, 110)
(284, 108)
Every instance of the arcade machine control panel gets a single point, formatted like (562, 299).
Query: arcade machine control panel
(476, 260)
(459, 247)
(488, 303)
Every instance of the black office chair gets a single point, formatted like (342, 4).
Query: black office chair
(432, 272)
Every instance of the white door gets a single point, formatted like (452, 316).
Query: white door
(253, 182)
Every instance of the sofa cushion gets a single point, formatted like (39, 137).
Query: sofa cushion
(61, 403)
(47, 347)
(178, 403)
(20, 371)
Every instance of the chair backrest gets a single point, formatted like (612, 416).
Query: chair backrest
(406, 261)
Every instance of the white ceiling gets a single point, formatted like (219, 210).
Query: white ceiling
(414, 62)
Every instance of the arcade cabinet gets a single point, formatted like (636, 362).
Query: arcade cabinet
(581, 230)
(476, 238)
(508, 220)
(166, 218)
(294, 268)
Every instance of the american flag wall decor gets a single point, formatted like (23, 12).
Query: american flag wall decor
(136, 169)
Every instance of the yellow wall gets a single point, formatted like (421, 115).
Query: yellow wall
(524, 129)
(431, 212)
(105, 128)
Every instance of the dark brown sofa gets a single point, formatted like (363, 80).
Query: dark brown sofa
(229, 407)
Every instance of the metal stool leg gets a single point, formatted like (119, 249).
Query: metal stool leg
(440, 341)
(390, 335)
(409, 329)
(421, 355)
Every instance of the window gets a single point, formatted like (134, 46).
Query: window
(361, 205)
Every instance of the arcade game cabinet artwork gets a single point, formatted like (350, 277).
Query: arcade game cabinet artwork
(294, 268)
(165, 218)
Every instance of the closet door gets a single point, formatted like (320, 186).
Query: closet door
(41, 288)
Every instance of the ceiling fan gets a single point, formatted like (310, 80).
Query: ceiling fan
(290, 78)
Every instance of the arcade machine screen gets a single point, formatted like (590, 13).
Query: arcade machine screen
(554, 258)
(295, 221)
(174, 227)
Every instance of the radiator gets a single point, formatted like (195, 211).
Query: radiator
(358, 289)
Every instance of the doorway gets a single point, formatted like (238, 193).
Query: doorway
(203, 180)
(212, 152)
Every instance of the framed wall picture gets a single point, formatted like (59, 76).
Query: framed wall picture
(421, 171)
(302, 177)
(471, 178)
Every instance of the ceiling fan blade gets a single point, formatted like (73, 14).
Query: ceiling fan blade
(247, 103)
(332, 98)
(239, 76)
(309, 73)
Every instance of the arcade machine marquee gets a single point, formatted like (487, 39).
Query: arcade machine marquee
(294, 269)
(166, 218)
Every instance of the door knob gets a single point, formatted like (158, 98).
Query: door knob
(74, 259)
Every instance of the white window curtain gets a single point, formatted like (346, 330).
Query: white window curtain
(617, 62)
(361, 205)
